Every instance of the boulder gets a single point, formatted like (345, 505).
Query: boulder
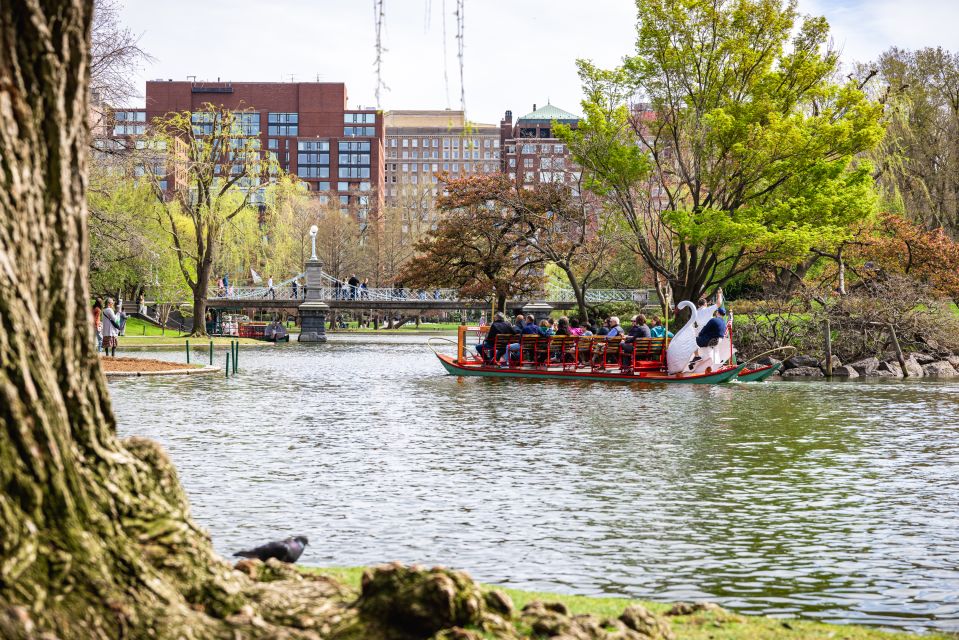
(769, 360)
(954, 361)
(803, 372)
(913, 368)
(844, 371)
(800, 361)
(422, 601)
(890, 367)
(643, 621)
(866, 366)
(941, 369)
(923, 358)
(836, 362)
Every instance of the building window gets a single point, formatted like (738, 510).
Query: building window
(368, 117)
(359, 131)
(364, 186)
(528, 163)
(406, 143)
(512, 162)
(436, 142)
(405, 167)
(312, 158)
(415, 142)
(129, 123)
(393, 142)
(342, 186)
(272, 143)
(557, 148)
(282, 124)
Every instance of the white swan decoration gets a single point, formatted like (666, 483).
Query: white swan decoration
(683, 345)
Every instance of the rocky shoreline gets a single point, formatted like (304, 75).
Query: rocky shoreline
(918, 365)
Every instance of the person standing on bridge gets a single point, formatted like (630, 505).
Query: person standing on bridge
(354, 283)
(364, 288)
(296, 286)
(270, 291)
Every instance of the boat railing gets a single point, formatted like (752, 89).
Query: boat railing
(569, 352)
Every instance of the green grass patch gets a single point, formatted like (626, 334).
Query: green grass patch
(699, 626)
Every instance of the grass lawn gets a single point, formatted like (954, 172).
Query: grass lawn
(699, 626)
(144, 334)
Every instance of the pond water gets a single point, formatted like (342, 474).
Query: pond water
(831, 501)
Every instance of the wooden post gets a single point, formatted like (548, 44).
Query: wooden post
(188, 352)
(827, 335)
(895, 345)
(460, 339)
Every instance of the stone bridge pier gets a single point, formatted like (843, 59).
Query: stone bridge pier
(313, 310)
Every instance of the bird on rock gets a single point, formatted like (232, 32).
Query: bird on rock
(288, 550)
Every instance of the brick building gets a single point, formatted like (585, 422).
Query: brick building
(531, 154)
(422, 144)
(335, 150)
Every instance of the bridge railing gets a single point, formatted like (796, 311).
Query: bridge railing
(338, 293)
(639, 297)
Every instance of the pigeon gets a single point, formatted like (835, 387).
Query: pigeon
(288, 550)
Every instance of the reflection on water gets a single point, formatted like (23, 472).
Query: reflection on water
(832, 501)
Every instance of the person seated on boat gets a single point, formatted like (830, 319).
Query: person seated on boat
(603, 328)
(639, 330)
(499, 327)
(563, 327)
(546, 327)
(711, 333)
(657, 330)
(531, 327)
(614, 331)
(519, 323)
(575, 329)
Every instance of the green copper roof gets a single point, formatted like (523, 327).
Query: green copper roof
(549, 113)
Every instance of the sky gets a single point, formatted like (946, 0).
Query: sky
(516, 53)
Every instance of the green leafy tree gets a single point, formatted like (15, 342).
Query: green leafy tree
(918, 162)
(216, 169)
(744, 154)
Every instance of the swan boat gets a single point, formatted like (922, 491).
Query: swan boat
(650, 360)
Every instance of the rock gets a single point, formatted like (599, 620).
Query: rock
(803, 372)
(500, 602)
(892, 368)
(866, 366)
(923, 358)
(642, 620)
(800, 361)
(954, 361)
(844, 371)
(421, 601)
(765, 361)
(689, 608)
(836, 362)
(913, 368)
(941, 369)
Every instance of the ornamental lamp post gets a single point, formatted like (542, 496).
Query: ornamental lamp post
(313, 231)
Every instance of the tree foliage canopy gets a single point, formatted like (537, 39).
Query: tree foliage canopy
(742, 150)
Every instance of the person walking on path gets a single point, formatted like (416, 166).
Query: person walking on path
(98, 322)
(296, 286)
(111, 328)
(142, 306)
(270, 291)
(364, 288)
(354, 283)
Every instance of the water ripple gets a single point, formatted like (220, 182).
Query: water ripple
(830, 501)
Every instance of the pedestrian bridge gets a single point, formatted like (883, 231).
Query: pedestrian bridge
(338, 295)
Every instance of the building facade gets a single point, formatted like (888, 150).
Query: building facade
(422, 144)
(531, 152)
(307, 127)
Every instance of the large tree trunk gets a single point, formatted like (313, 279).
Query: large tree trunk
(95, 534)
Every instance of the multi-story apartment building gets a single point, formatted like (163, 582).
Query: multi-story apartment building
(531, 153)
(420, 145)
(306, 126)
